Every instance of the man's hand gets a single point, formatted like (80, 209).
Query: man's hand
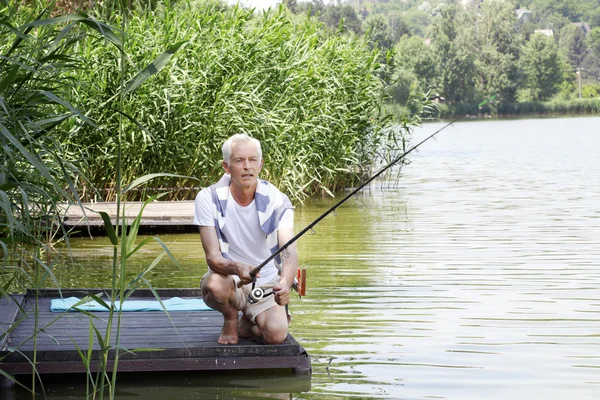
(243, 271)
(282, 292)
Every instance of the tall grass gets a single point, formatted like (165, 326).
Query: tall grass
(35, 176)
(35, 61)
(310, 97)
(37, 66)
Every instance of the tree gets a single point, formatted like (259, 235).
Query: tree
(343, 17)
(592, 62)
(314, 7)
(568, 8)
(498, 48)
(398, 27)
(554, 14)
(542, 67)
(573, 45)
(593, 16)
(456, 63)
(593, 41)
(417, 21)
(378, 33)
(413, 55)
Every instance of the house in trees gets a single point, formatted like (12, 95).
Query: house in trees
(545, 32)
(523, 14)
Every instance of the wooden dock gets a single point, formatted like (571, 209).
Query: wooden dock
(175, 216)
(187, 341)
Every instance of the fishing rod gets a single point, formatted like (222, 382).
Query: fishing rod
(310, 226)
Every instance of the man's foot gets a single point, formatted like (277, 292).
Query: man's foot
(244, 327)
(229, 332)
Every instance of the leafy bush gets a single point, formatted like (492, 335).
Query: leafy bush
(591, 90)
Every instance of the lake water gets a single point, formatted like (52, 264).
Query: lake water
(476, 275)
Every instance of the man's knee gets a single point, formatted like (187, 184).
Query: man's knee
(275, 337)
(217, 287)
(275, 332)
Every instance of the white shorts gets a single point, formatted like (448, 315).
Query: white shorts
(250, 310)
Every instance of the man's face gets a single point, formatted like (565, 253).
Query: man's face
(244, 164)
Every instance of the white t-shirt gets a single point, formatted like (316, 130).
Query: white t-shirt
(243, 232)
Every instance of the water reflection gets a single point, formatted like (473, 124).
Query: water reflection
(474, 276)
(191, 385)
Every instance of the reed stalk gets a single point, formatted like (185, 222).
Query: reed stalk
(36, 178)
(311, 97)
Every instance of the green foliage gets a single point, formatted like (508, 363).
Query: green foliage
(451, 46)
(554, 14)
(573, 45)
(478, 46)
(405, 82)
(593, 40)
(341, 18)
(592, 61)
(526, 108)
(415, 63)
(35, 66)
(377, 33)
(498, 47)
(398, 27)
(418, 21)
(542, 67)
(309, 97)
(590, 91)
(38, 66)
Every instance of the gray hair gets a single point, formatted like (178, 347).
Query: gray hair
(239, 138)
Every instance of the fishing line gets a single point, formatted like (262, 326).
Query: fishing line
(310, 227)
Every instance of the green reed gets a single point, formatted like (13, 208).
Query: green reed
(37, 70)
(310, 97)
(35, 177)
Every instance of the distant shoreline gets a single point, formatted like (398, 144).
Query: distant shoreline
(530, 109)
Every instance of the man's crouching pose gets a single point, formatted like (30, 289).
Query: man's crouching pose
(243, 220)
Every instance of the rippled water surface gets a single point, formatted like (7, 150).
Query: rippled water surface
(474, 276)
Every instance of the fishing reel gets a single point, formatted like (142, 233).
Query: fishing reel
(257, 294)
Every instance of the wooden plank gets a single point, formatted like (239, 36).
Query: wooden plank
(138, 329)
(9, 309)
(188, 340)
(299, 364)
(48, 352)
(158, 213)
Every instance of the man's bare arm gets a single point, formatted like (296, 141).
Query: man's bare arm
(216, 261)
(290, 266)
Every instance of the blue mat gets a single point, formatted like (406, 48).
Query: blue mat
(172, 304)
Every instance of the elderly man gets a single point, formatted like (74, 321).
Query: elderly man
(243, 220)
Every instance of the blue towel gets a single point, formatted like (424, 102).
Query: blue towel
(172, 304)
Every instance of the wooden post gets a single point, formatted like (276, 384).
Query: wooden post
(303, 283)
